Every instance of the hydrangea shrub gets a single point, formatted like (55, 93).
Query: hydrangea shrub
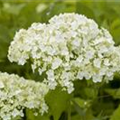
(69, 47)
(17, 93)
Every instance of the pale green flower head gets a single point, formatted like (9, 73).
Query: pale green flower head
(17, 94)
(70, 47)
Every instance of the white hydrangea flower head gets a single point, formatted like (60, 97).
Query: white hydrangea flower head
(68, 48)
(16, 94)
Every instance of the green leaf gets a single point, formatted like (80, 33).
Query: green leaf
(84, 9)
(81, 102)
(58, 102)
(114, 92)
(91, 92)
(115, 30)
(89, 115)
(81, 106)
(78, 109)
(13, 9)
(30, 116)
(76, 117)
(116, 114)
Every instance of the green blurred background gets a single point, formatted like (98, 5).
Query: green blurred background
(102, 99)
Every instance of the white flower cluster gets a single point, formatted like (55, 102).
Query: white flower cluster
(68, 48)
(16, 94)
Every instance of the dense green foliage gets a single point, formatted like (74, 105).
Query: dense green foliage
(89, 101)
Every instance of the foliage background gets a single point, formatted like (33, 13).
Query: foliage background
(89, 101)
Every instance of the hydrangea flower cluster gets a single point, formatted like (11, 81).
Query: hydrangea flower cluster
(70, 47)
(16, 94)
